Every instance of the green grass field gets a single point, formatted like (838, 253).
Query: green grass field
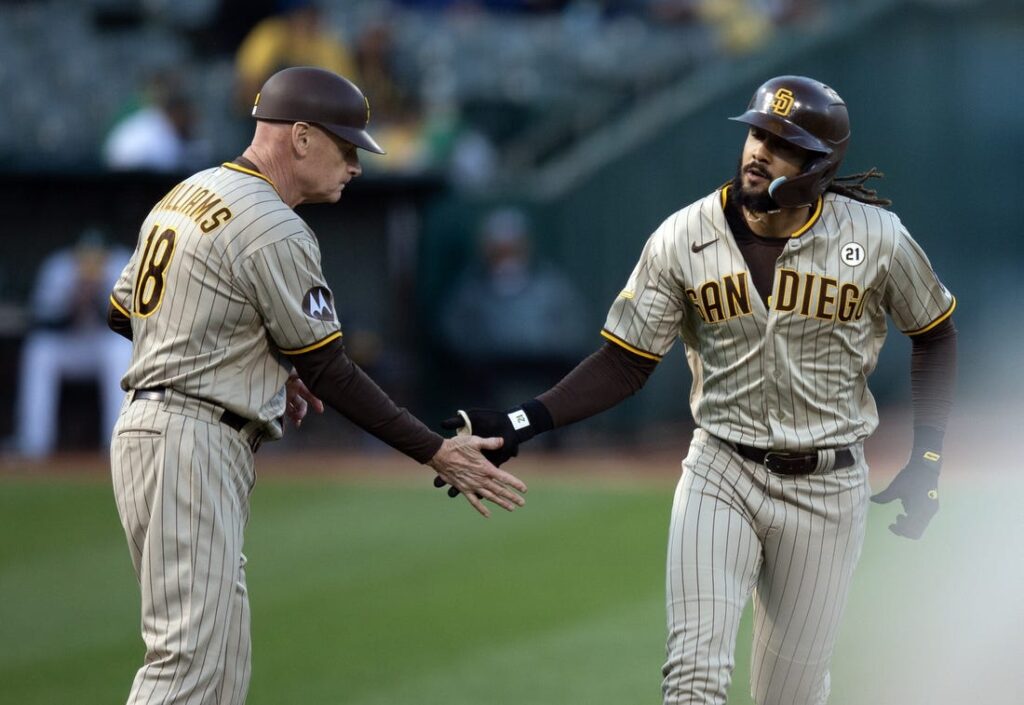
(376, 593)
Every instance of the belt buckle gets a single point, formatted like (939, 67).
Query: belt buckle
(773, 461)
(790, 463)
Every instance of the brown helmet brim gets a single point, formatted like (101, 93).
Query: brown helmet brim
(360, 138)
(784, 129)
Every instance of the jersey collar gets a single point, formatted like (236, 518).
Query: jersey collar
(250, 172)
(815, 214)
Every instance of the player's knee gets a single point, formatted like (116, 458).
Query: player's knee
(183, 662)
(685, 680)
(790, 687)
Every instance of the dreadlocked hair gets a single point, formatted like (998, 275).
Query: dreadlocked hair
(853, 187)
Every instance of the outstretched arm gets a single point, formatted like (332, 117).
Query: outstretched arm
(332, 376)
(602, 380)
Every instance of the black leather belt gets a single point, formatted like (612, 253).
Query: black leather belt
(792, 463)
(228, 418)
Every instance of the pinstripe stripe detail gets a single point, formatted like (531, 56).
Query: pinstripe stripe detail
(314, 346)
(738, 531)
(771, 379)
(779, 379)
(182, 487)
(623, 344)
(937, 321)
(225, 290)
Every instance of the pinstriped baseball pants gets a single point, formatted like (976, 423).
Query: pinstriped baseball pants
(182, 481)
(791, 542)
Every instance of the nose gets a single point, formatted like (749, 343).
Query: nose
(354, 167)
(761, 151)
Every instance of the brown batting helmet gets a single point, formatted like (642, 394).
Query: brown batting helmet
(317, 96)
(810, 115)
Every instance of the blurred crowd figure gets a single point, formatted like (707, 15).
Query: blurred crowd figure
(69, 339)
(511, 321)
(295, 35)
(158, 131)
(740, 26)
(425, 122)
(434, 41)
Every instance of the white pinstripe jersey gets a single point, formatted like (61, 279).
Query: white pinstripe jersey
(225, 282)
(794, 375)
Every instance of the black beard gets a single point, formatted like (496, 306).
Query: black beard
(755, 202)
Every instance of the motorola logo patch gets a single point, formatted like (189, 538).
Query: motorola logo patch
(317, 304)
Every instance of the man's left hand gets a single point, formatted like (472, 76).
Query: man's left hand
(299, 400)
(917, 488)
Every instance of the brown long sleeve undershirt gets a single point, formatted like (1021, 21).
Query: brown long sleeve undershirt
(118, 322)
(932, 383)
(332, 376)
(601, 381)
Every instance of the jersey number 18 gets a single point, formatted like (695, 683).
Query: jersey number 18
(151, 280)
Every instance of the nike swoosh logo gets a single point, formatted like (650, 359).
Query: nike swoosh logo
(697, 248)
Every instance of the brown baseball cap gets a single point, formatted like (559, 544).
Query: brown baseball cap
(318, 96)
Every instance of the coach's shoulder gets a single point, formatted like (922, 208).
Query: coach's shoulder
(266, 228)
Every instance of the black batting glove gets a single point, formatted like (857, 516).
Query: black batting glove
(514, 426)
(917, 487)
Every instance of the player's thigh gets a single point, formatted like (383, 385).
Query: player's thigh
(809, 560)
(714, 549)
(182, 484)
(191, 573)
(713, 558)
(136, 458)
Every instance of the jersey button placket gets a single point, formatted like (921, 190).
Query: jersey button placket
(774, 373)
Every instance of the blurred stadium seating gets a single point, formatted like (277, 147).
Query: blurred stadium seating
(536, 79)
(605, 116)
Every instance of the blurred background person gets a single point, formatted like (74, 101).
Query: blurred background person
(511, 319)
(158, 133)
(69, 339)
(391, 90)
(297, 35)
(230, 22)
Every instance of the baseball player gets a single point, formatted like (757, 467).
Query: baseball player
(778, 284)
(233, 325)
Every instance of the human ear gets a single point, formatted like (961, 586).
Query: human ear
(302, 137)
